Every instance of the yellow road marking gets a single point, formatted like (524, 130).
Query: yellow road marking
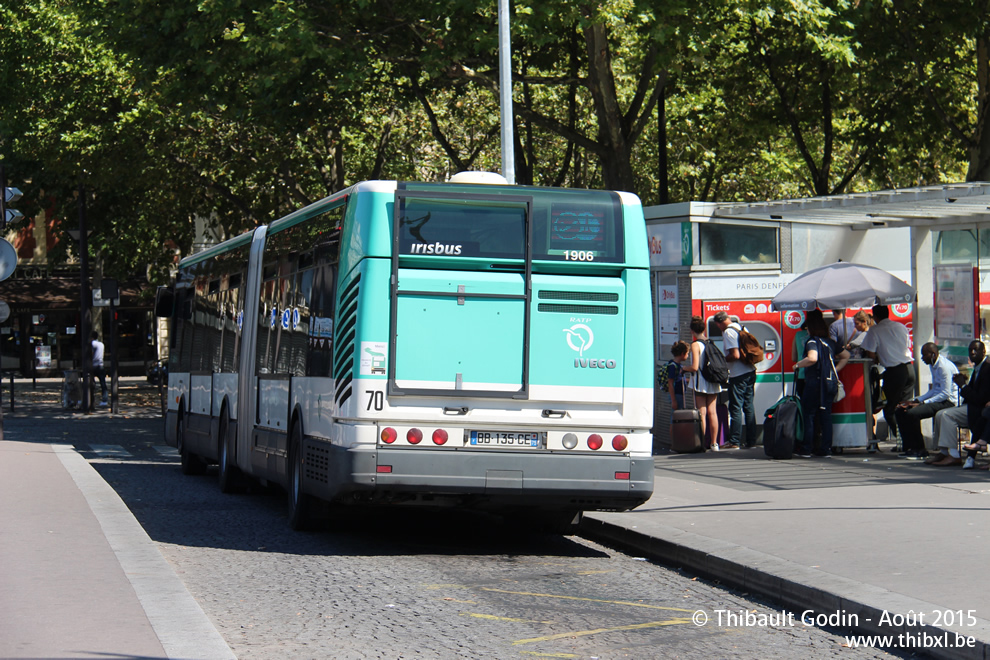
(584, 633)
(466, 602)
(589, 600)
(446, 586)
(501, 618)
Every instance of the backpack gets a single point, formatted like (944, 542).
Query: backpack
(666, 372)
(783, 427)
(714, 367)
(750, 351)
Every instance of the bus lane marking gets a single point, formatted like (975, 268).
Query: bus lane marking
(492, 617)
(589, 600)
(585, 633)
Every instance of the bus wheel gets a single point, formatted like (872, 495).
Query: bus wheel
(191, 463)
(300, 504)
(228, 474)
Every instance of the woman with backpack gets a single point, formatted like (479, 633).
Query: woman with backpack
(705, 392)
(822, 361)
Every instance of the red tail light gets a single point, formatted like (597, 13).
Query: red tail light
(595, 441)
(389, 435)
(385, 469)
(622, 475)
(439, 437)
(619, 443)
(414, 436)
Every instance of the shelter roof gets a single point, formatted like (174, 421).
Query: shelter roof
(943, 207)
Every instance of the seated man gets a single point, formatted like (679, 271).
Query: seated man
(948, 421)
(941, 395)
(976, 395)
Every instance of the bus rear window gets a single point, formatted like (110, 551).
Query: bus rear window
(567, 225)
(462, 228)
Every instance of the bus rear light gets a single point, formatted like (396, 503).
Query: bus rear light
(624, 476)
(619, 443)
(414, 436)
(389, 435)
(569, 440)
(387, 469)
(439, 437)
(595, 441)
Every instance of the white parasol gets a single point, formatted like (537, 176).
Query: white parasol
(843, 285)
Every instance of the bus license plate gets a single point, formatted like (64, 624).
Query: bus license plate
(504, 440)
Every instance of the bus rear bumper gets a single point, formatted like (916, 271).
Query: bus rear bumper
(487, 479)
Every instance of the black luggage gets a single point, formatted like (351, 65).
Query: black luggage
(783, 427)
(685, 431)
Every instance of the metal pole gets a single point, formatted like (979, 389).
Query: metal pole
(85, 300)
(114, 406)
(505, 91)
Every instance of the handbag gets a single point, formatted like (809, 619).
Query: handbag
(840, 393)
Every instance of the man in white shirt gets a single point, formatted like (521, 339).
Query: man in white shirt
(889, 343)
(943, 394)
(742, 384)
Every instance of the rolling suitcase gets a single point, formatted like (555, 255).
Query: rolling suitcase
(783, 426)
(685, 431)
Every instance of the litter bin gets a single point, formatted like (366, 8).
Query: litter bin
(72, 389)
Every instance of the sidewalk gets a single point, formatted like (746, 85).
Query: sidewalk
(867, 534)
(859, 535)
(81, 578)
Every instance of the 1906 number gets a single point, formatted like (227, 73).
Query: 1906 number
(579, 255)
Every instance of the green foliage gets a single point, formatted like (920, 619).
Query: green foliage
(238, 111)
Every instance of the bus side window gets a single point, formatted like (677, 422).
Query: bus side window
(319, 358)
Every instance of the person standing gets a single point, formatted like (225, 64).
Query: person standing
(843, 329)
(742, 383)
(943, 394)
(705, 393)
(670, 377)
(820, 384)
(98, 370)
(889, 343)
(797, 352)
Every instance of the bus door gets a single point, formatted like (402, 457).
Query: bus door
(461, 283)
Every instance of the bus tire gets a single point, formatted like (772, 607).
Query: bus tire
(228, 475)
(300, 504)
(191, 463)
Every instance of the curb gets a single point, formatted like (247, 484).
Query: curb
(182, 627)
(796, 587)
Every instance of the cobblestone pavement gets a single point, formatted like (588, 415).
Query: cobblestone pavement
(406, 584)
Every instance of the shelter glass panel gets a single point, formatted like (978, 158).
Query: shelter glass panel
(723, 244)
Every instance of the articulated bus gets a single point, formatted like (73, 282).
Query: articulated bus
(435, 344)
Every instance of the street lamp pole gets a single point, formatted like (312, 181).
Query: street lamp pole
(505, 92)
(85, 300)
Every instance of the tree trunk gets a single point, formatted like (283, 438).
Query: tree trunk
(615, 149)
(979, 149)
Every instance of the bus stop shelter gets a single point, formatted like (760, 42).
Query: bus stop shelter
(929, 235)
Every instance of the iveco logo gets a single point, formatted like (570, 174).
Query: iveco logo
(580, 337)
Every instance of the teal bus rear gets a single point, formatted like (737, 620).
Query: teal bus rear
(484, 346)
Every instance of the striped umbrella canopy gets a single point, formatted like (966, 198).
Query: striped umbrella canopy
(842, 285)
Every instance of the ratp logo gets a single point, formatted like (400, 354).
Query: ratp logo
(580, 338)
